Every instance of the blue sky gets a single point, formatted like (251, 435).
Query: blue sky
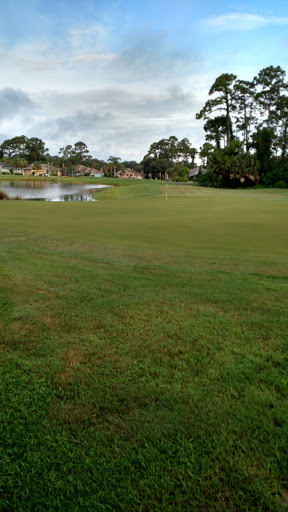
(120, 75)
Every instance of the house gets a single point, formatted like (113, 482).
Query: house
(8, 169)
(82, 170)
(4, 168)
(129, 173)
(45, 170)
(193, 173)
(33, 172)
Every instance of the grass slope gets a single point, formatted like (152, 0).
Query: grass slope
(144, 351)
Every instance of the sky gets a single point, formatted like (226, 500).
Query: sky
(122, 74)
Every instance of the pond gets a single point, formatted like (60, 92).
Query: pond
(39, 190)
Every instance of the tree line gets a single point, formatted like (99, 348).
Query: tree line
(167, 157)
(246, 135)
(20, 152)
(246, 140)
(246, 127)
(170, 158)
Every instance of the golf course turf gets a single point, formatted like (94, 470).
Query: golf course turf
(143, 351)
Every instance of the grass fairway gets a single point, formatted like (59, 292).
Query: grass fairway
(143, 351)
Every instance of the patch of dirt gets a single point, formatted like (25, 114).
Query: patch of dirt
(284, 499)
(71, 360)
(47, 320)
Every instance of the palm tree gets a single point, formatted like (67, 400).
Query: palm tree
(115, 164)
(20, 163)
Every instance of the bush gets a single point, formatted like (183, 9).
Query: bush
(182, 173)
(279, 172)
(209, 180)
(230, 167)
(3, 195)
(280, 184)
(180, 179)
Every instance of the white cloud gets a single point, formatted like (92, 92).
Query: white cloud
(78, 37)
(110, 121)
(30, 57)
(94, 57)
(242, 21)
(14, 102)
(79, 47)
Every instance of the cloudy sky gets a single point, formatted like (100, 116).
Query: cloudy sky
(121, 74)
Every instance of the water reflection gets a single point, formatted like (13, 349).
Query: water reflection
(38, 190)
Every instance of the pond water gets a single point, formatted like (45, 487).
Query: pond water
(39, 190)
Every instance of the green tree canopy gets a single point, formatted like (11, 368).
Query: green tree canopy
(173, 150)
(36, 150)
(223, 102)
(270, 84)
(17, 146)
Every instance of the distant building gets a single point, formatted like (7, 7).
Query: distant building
(5, 168)
(82, 170)
(193, 173)
(9, 169)
(129, 173)
(44, 170)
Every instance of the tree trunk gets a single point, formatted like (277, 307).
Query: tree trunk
(284, 146)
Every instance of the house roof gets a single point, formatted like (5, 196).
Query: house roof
(4, 165)
(84, 169)
(80, 168)
(129, 170)
(194, 172)
(44, 167)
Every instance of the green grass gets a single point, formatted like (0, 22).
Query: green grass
(144, 351)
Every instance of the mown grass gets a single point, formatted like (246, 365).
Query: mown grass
(144, 352)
